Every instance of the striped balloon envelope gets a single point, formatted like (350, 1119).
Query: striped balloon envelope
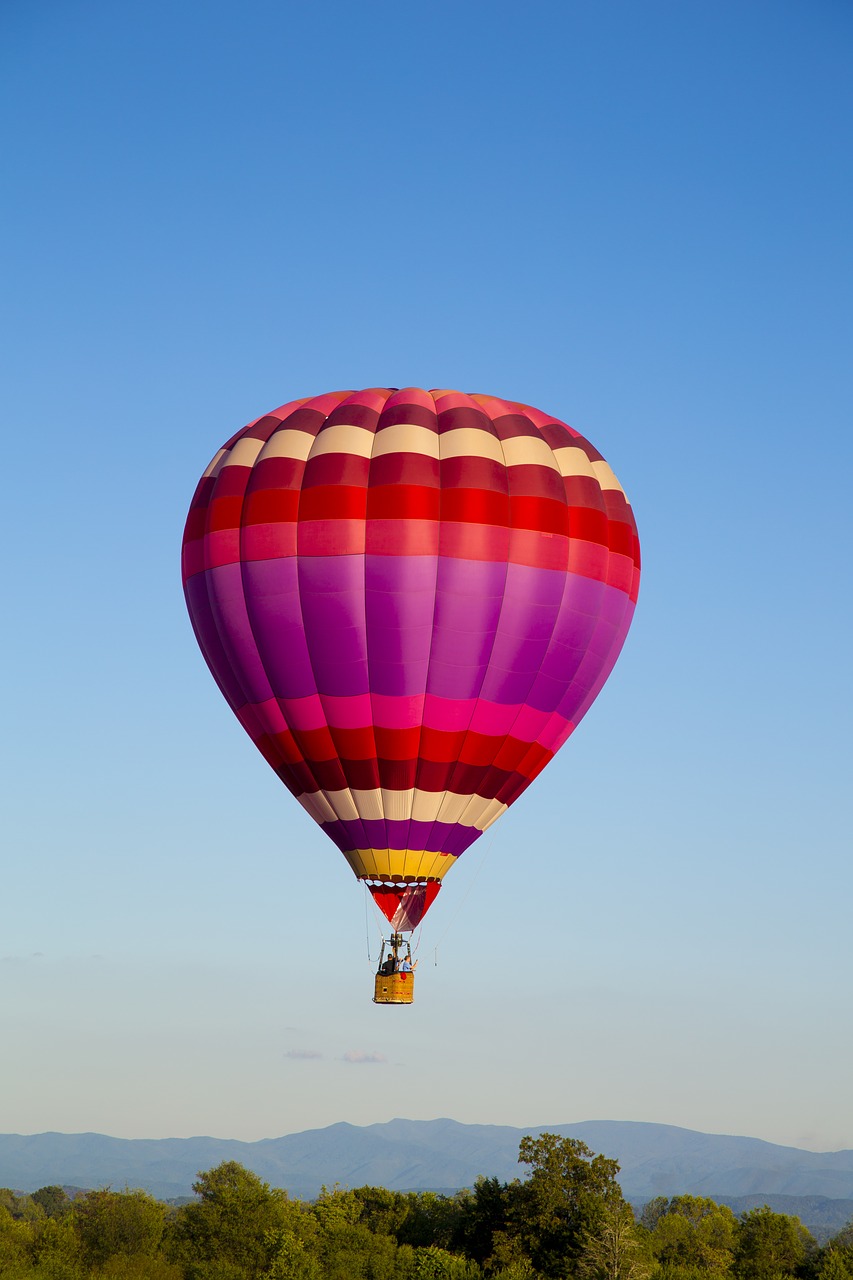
(409, 599)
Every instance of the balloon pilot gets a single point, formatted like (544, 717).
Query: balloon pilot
(395, 975)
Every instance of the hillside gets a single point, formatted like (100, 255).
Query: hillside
(445, 1155)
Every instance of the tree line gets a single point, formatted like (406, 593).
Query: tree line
(567, 1220)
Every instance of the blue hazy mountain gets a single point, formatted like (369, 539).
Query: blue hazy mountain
(443, 1155)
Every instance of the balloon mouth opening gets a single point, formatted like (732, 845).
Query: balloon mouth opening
(377, 881)
(405, 902)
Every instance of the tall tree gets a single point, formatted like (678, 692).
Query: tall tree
(565, 1200)
(52, 1199)
(111, 1223)
(770, 1245)
(232, 1232)
(690, 1234)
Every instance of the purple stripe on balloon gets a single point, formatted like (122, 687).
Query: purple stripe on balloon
(584, 674)
(531, 605)
(331, 591)
(275, 613)
(399, 599)
(481, 630)
(582, 602)
(427, 837)
(204, 626)
(467, 608)
(594, 671)
(590, 673)
(228, 611)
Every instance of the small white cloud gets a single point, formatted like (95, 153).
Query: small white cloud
(303, 1054)
(358, 1055)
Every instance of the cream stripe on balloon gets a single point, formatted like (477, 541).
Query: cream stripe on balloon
(420, 806)
(482, 817)
(343, 439)
(470, 442)
(244, 453)
(405, 437)
(287, 443)
(450, 806)
(606, 478)
(529, 451)
(397, 805)
(368, 804)
(343, 805)
(215, 465)
(315, 803)
(575, 462)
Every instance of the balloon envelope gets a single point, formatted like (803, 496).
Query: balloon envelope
(409, 599)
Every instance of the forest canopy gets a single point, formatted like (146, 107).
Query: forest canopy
(565, 1218)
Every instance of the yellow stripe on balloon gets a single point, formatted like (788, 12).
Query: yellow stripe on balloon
(399, 865)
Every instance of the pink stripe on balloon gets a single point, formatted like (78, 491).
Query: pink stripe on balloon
(529, 725)
(396, 713)
(588, 559)
(557, 731)
(268, 541)
(355, 712)
(449, 715)
(222, 546)
(304, 713)
(494, 719)
(331, 537)
(267, 714)
(362, 711)
(326, 403)
(282, 411)
(373, 398)
(620, 572)
(453, 400)
(411, 395)
(192, 558)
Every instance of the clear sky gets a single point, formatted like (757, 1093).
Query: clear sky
(634, 215)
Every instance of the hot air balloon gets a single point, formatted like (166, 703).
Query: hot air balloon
(409, 599)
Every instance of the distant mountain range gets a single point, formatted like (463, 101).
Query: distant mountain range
(443, 1155)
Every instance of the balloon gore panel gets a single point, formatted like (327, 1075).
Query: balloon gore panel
(409, 599)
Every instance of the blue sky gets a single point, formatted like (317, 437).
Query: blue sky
(635, 216)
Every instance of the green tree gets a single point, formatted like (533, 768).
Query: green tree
(433, 1219)
(488, 1227)
(346, 1248)
(433, 1263)
(382, 1212)
(833, 1264)
(15, 1241)
(118, 1223)
(838, 1250)
(844, 1239)
(231, 1231)
(56, 1249)
(770, 1245)
(291, 1257)
(53, 1200)
(564, 1202)
(22, 1208)
(691, 1235)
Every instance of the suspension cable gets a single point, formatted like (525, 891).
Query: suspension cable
(378, 919)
